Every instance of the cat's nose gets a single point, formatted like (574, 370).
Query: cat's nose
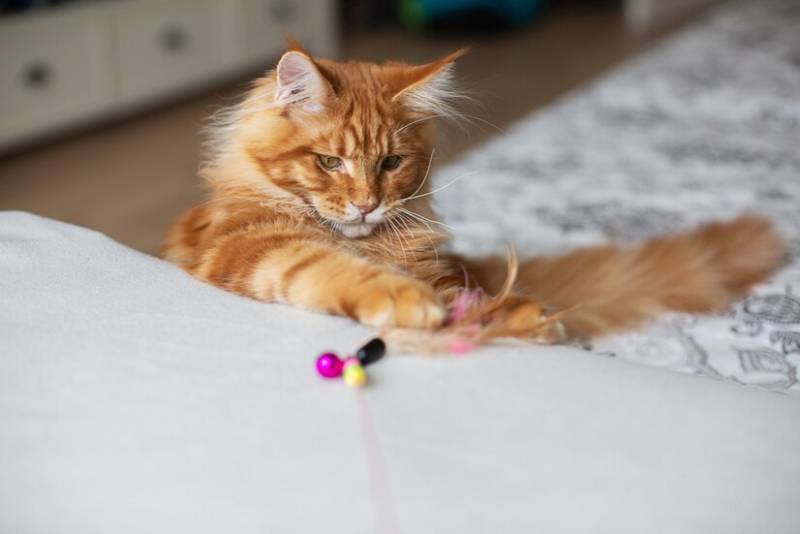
(365, 209)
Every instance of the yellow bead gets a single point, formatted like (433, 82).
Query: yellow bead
(354, 376)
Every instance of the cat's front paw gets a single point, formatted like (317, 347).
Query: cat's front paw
(399, 301)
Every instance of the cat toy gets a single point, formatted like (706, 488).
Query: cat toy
(473, 319)
(351, 369)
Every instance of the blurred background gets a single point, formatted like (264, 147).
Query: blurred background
(102, 101)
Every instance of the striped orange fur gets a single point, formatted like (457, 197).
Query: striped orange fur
(319, 199)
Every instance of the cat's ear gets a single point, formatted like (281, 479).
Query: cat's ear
(293, 45)
(428, 88)
(300, 81)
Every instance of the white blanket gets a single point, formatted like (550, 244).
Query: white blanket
(136, 399)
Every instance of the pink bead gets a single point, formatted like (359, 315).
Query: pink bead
(459, 346)
(329, 365)
(352, 360)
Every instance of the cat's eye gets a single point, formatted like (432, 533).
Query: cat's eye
(390, 163)
(329, 163)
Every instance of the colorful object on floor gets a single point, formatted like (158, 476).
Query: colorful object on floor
(354, 374)
(371, 352)
(329, 365)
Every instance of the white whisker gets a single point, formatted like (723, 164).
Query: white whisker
(412, 123)
(402, 217)
(442, 188)
(400, 240)
(423, 218)
(424, 178)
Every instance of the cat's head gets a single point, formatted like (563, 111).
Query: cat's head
(348, 142)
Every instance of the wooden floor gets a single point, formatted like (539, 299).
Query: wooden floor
(130, 179)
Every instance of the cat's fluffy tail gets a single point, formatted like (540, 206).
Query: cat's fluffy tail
(610, 288)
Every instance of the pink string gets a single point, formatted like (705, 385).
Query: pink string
(378, 482)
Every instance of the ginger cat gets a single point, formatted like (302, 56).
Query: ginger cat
(318, 199)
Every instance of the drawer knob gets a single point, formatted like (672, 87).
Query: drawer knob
(282, 10)
(38, 75)
(174, 39)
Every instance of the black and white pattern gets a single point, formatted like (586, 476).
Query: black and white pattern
(705, 127)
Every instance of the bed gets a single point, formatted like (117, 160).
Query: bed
(136, 399)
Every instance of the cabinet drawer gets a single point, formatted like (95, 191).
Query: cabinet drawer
(164, 46)
(267, 22)
(51, 71)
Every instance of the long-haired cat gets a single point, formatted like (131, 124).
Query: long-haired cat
(319, 199)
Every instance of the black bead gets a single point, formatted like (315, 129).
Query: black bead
(371, 352)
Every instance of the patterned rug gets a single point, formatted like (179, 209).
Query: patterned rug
(704, 127)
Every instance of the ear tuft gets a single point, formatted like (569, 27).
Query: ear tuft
(299, 80)
(430, 88)
(433, 96)
(293, 45)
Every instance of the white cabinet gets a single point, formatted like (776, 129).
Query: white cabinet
(165, 46)
(81, 62)
(51, 80)
(267, 22)
(264, 24)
